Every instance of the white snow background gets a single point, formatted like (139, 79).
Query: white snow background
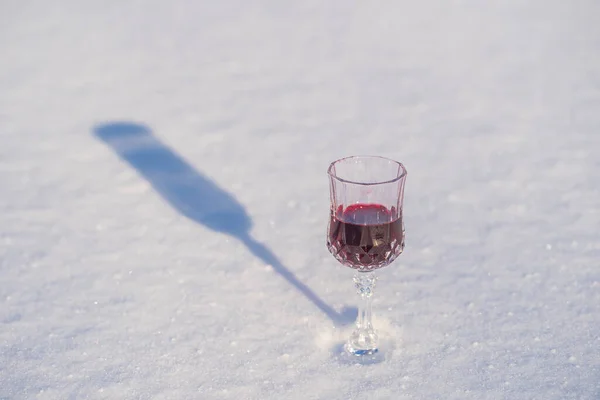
(164, 198)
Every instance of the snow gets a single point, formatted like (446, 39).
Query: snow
(164, 198)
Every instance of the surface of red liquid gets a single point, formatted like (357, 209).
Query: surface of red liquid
(365, 236)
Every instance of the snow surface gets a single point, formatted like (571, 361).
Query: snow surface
(163, 197)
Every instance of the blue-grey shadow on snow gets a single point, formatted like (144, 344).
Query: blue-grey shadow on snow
(198, 198)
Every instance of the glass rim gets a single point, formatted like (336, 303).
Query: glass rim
(334, 176)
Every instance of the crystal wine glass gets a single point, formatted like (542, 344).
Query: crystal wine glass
(365, 229)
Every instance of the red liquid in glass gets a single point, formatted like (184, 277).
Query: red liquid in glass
(365, 236)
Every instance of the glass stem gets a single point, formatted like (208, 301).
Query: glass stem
(364, 339)
(365, 285)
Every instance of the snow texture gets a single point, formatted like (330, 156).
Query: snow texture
(163, 198)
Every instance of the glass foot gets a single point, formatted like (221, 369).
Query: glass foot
(360, 352)
(362, 343)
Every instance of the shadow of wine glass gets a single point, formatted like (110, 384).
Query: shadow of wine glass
(200, 199)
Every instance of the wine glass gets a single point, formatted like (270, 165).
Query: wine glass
(365, 229)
